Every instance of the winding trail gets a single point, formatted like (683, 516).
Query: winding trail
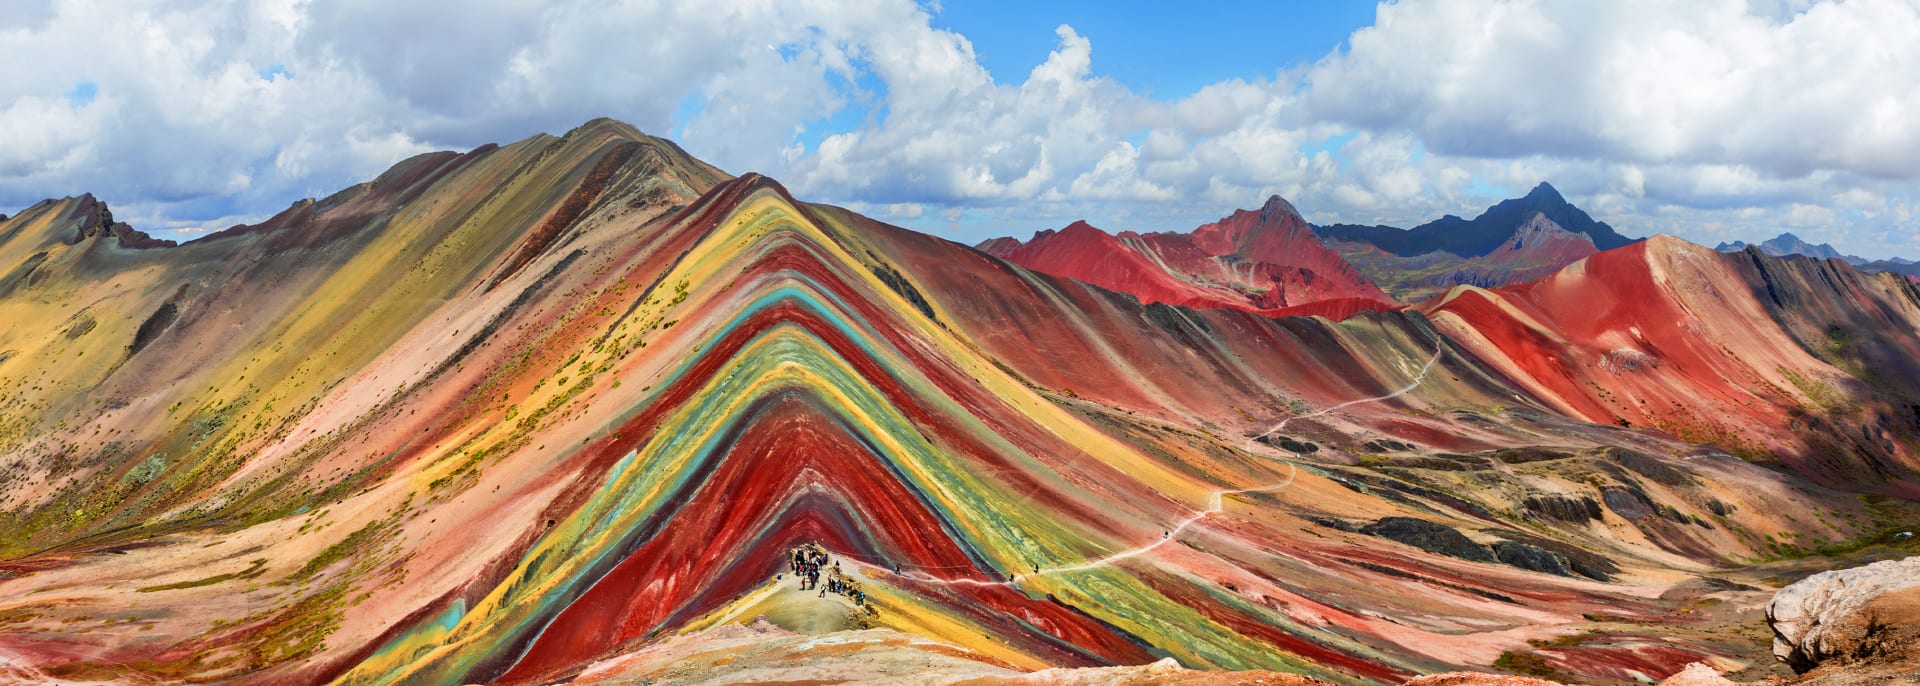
(1216, 502)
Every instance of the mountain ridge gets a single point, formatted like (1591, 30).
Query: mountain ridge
(1266, 260)
(1481, 235)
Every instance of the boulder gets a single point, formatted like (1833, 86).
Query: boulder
(1848, 615)
(1531, 557)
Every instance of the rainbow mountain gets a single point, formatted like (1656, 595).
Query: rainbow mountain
(513, 414)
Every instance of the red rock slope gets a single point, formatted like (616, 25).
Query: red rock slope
(1764, 356)
(1267, 261)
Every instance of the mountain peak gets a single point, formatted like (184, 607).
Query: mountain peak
(1277, 209)
(1079, 226)
(1546, 192)
(610, 127)
(1487, 232)
(96, 221)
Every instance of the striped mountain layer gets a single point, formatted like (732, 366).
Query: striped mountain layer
(508, 414)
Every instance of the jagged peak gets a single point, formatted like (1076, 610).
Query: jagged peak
(96, 222)
(1546, 192)
(1278, 209)
(1541, 224)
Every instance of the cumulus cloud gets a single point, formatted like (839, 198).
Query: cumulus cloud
(1830, 87)
(1714, 119)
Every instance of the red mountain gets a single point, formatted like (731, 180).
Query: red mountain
(1268, 261)
(1786, 359)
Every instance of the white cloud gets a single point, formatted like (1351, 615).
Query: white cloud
(1831, 87)
(1704, 118)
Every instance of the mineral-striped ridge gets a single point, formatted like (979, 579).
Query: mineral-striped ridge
(508, 414)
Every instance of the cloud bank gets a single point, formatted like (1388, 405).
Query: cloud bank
(1715, 119)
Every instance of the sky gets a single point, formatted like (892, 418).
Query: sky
(1714, 120)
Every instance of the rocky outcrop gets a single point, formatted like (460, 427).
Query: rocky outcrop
(1562, 508)
(1531, 557)
(1429, 536)
(1847, 615)
(98, 223)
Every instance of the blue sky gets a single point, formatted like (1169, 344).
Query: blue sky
(1162, 48)
(1713, 120)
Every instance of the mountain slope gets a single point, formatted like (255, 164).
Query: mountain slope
(1770, 358)
(1266, 261)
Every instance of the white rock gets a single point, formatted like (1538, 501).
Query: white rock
(1810, 617)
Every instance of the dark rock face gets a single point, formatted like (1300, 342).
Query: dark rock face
(152, 327)
(1625, 503)
(1562, 508)
(1531, 557)
(1649, 466)
(1387, 445)
(1578, 560)
(1428, 536)
(1528, 454)
(1290, 444)
(1336, 524)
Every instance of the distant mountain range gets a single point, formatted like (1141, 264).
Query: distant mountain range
(1788, 244)
(1514, 241)
(1483, 234)
(1274, 262)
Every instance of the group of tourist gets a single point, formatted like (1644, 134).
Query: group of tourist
(809, 563)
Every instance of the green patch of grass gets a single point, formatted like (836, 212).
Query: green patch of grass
(248, 573)
(368, 534)
(300, 631)
(1823, 395)
(1530, 664)
(1568, 640)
